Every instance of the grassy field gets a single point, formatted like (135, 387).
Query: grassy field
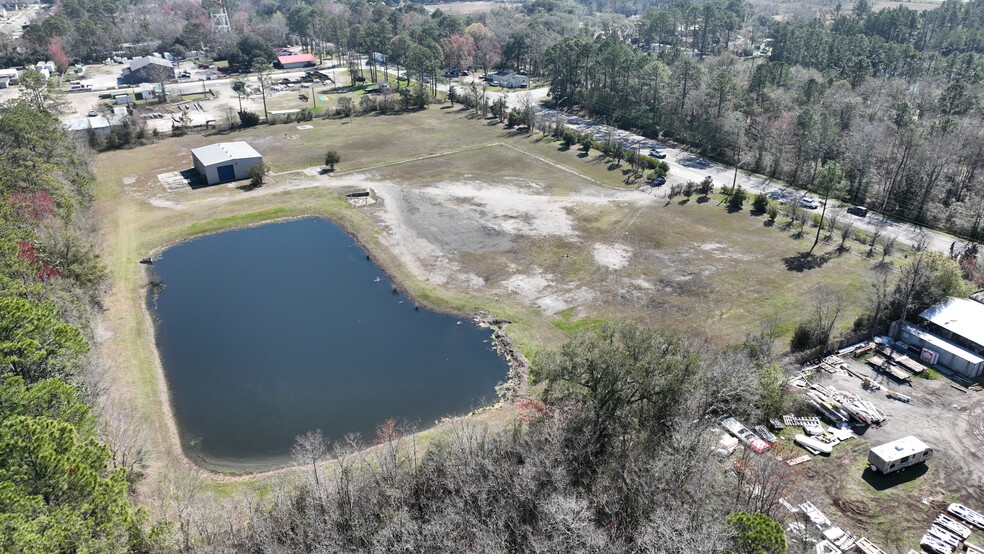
(549, 215)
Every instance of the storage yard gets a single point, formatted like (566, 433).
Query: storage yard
(842, 502)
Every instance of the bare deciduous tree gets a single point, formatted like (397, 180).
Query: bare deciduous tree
(311, 448)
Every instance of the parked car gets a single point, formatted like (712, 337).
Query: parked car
(658, 181)
(656, 154)
(184, 75)
(859, 211)
(780, 197)
(809, 203)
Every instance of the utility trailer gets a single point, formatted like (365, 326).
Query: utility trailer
(900, 454)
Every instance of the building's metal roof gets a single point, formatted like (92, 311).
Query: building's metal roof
(296, 58)
(137, 63)
(97, 122)
(224, 152)
(960, 316)
(906, 446)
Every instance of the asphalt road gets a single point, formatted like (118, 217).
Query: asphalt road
(686, 166)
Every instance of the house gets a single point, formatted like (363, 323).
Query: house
(225, 161)
(148, 69)
(295, 61)
(950, 334)
(508, 79)
(7, 76)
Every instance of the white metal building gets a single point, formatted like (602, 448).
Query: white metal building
(952, 335)
(7, 76)
(225, 161)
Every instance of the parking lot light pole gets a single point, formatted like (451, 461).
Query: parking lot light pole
(557, 118)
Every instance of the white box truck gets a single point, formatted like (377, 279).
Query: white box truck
(900, 454)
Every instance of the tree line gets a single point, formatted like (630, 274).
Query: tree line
(909, 141)
(64, 476)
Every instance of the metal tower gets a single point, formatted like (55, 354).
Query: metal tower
(219, 17)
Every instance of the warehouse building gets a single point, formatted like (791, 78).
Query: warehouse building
(295, 61)
(225, 161)
(951, 334)
(148, 69)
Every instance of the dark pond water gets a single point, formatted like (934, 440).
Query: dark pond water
(269, 332)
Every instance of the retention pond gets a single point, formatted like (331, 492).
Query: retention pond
(269, 332)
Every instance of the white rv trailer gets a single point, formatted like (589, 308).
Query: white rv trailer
(953, 526)
(900, 454)
(966, 514)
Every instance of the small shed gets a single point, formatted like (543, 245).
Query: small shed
(899, 454)
(225, 161)
(7, 76)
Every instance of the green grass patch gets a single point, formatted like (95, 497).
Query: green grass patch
(231, 222)
(584, 323)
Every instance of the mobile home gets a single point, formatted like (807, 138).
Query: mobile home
(900, 454)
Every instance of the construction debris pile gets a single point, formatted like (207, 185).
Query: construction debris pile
(835, 539)
(946, 533)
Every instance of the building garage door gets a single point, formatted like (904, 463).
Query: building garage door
(226, 173)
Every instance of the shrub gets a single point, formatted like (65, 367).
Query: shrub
(761, 203)
(803, 337)
(344, 108)
(569, 138)
(367, 104)
(737, 198)
(706, 186)
(587, 143)
(757, 534)
(257, 174)
(773, 211)
(248, 119)
(513, 118)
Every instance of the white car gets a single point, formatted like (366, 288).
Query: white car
(809, 203)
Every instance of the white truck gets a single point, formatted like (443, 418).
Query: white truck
(900, 454)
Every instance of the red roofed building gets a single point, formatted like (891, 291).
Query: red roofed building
(295, 61)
